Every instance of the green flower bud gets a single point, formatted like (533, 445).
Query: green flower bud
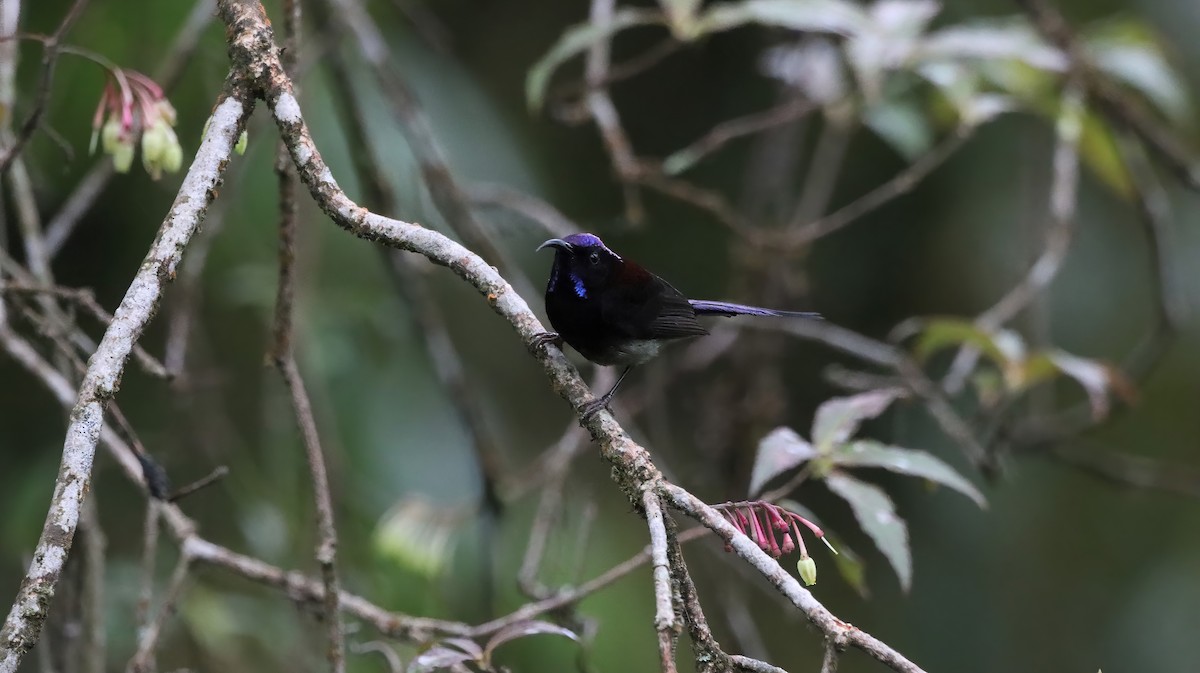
(808, 570)
(111, 136)
(153, 143)
(173, 156)
(166, 111)
(160, 150)
(122, 156)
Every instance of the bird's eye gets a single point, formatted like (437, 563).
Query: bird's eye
(594, 258)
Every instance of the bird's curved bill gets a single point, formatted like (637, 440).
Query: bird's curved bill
(555, 243)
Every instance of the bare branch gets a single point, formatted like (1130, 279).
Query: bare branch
(149, 557)
(444, 188)
(326, 553)
(744, 663)
(95, 636)
(1063, 196)
(533, 208)
(1129, 470)
(25, 619)
(829, 663)
(143, 659)
(786, 584)
(664, 608)
(899, 185)
(786, 112)
(50, 51)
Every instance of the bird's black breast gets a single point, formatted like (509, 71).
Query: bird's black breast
(621, 321)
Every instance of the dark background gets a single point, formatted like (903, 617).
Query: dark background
(1063, 572)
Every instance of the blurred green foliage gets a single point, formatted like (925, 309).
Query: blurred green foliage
(1063, 572)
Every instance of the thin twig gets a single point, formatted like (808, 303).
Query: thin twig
(444, 189)
(744, 663)
(218, 473)
(824, 167)
(149, 558)
(143, 659)
(183, 530)
(85, 299)
(1171, 309)
(410, 281)
(619, 72)
(571, 595)
(50, 51)
(829, 662)
(900, 184)
(716, 204)
(27, 615)
(1061, 229)
(1129, 470)
(709, 656)
(547, 516)
(664, 605)
(625, 165)
(284, 356)
(95, 635)
(326, 552)
(786, 112)
(533, 208)
(787, 585)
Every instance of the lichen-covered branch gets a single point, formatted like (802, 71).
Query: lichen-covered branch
(103, 377)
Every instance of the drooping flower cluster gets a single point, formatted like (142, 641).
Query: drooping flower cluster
(776, 531)
(133, 106)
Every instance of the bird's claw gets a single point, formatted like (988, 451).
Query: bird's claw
(592, 408)
(547, 338)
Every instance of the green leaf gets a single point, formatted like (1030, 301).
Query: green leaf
(1099, 151)
(1097, 378)
(814, 16)
(838, 419)
(1129, 52)
(522, 630)
(903, 125)
(575, 40)
(996, 40)
(778, 452)
(869, 453)
(877, 515)
(940, 333)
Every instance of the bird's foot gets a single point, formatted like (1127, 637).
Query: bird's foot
(547, 338)
(592, 408)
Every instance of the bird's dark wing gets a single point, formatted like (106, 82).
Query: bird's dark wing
(643, 306)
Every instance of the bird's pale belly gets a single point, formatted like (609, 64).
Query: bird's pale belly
(633, 352)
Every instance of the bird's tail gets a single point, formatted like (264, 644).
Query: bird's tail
(724, 308)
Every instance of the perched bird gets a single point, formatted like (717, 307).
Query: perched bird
(614, 312)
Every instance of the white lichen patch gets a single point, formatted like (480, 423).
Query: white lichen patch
(69, 504)
(303, 154)
(287, 110)
(48, 562)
